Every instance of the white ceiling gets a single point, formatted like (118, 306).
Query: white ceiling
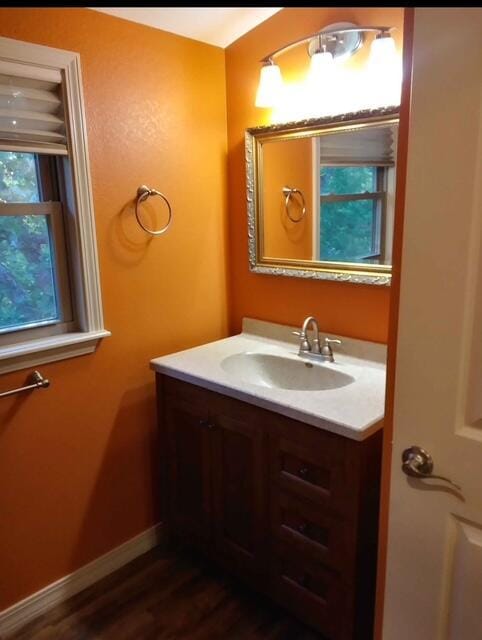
(219, 26)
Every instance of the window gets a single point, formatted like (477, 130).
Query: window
(35, 289)
(50, 304)
(352, 211)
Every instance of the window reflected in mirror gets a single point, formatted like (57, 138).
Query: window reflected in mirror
(353, 212)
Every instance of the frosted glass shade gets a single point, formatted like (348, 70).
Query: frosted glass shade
(383, 73)
(321, 66)
(270, 86)
(383, 50)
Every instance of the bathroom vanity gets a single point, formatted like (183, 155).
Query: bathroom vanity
(267, 480)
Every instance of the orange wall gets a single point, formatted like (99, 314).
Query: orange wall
(287, 163)
(351, 310)
(78, 461)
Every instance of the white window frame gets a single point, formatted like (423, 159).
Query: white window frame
(79, 213)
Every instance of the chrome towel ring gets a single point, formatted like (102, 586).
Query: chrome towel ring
(143, 193)
(290, 192)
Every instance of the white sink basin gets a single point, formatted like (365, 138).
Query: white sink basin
(261, 366)
(278, 372)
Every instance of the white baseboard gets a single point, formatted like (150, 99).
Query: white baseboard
(26, 610)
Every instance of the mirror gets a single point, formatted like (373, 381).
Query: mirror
(321, 197)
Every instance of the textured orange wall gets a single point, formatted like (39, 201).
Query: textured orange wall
(287, 163)
(78, 462)
(351, 310)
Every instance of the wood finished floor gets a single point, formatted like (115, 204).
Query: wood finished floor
(166, 596)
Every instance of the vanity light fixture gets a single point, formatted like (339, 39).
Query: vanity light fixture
(336, 41)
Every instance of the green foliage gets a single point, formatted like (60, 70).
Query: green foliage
(18, 177)
(27, 290)
(346, 233)
(346, 230)
(344, 180)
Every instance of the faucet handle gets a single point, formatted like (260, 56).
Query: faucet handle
(304, 344)
(329, 341)
(326, 350)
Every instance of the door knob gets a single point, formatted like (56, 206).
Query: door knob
(418, 463)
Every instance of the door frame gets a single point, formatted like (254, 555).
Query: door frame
(405, 105)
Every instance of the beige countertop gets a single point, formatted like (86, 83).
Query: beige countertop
(355, 410)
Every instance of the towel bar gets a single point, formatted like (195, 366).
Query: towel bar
(38, 382)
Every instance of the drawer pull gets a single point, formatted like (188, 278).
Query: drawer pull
(303, 472)
(206, 424)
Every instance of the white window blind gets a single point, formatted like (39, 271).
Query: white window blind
(31, 109)
(373, 145)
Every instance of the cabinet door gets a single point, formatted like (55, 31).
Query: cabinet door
(239, 487)
(189, 466)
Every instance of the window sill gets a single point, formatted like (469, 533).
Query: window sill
(35, 352)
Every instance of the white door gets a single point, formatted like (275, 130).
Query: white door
(434, 572)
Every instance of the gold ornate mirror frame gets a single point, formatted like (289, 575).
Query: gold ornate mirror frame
(374, 274)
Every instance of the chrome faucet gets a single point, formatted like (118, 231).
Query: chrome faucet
(305, 346)
(314, 350)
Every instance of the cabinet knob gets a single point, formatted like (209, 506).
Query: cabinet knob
(302, 527)
(303, 472)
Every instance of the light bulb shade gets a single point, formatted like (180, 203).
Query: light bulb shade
(383, 73)
(270, 86)
(321, 66)
(382, 50)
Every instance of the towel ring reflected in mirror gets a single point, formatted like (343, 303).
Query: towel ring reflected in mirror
(289, 193)
(143, 193)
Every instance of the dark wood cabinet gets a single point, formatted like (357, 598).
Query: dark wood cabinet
(239, 495)
(189, 469)
(289, 508)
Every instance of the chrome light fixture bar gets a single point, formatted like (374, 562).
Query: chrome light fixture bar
(339, 40)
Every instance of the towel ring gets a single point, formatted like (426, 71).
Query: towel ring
(143, 193)
(289, 192)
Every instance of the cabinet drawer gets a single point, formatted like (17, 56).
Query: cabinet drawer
(315, 466)
(309, 590)
(311, 532)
